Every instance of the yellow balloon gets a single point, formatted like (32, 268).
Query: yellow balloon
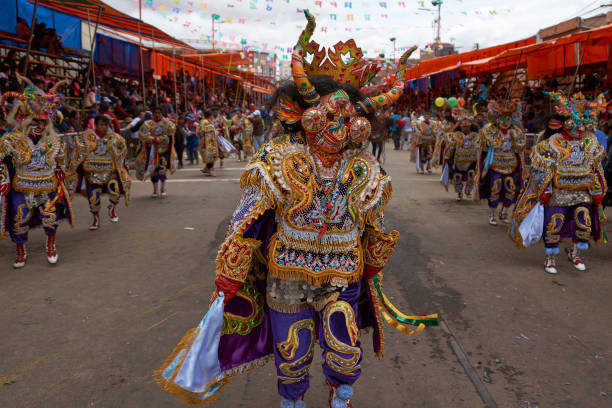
(440, 102)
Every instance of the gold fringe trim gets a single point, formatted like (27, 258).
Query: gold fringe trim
(380, 353)
(313, 278)
(260, 362)
(298, 307)
(168, 385)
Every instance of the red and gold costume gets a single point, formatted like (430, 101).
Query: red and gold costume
(32, 172)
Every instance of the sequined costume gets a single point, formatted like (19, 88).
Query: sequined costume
(32, 172)
(500, 171)
(567, 179)
(209, 148)
(247, 139)
(461, 153)
(426, 132)
(98, 167)
(302, 258)
(156, 157)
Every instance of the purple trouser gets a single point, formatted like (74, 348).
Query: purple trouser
(574, 221)
(464, 176)
(426, 153)
(22, 218)
(95, 191)
(335, 327)
(159, 174)
(504, 188)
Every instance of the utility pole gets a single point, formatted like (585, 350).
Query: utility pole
(438, 3)
(213, 31)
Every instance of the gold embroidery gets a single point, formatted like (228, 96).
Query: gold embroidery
(496, 189)
(510, 187)
(297, 170)
(378, 247)
(553, 228)
(22, 220)
(94, 200)
(289, 347)
(236, 260)
(342, 365)
(583, 223)
(48, 216)
(243, 325)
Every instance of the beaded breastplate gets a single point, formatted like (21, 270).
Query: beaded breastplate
(574, 162)
(35, 164)
(426, 133)
(99, 164)
(320, 212)
(466, 149)
(505, 147)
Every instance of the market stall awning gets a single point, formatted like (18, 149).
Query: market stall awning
(436, 65)
(224, 59)
(110, 17)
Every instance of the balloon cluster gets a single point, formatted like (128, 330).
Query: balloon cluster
(452, 102)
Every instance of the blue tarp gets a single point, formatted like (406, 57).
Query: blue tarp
(68, 27)
(120, 54)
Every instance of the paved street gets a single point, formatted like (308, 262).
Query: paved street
(90, 331)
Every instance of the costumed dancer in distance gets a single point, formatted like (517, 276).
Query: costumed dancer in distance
(156, 157)
(500, 176)
(32, 172)
(209, 147)
(567, 180)
(98, 167)
(461, 154)
(426, 132)
(303, 255)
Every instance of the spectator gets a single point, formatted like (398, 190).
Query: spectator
(396, 130)
(23, 29)
(90, 99)
(192, 146)
(121, 113)
(258, 130)
(105, 110)
(179, 138)
(167, 108)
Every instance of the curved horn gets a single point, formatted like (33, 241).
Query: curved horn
(58, 84)
(369, 105)
(24, 79)
(300, 78)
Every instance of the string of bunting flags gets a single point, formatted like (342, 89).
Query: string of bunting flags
(194, 17)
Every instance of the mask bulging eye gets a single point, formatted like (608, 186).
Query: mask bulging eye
(314, 120)
(360, 129)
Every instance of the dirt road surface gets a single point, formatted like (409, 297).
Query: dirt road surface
(89, 331)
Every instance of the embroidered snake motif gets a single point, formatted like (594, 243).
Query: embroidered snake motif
(357, 174)
(297, 171)
(339, 364)
(289, 347)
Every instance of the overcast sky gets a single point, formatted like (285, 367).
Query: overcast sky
(270, 23)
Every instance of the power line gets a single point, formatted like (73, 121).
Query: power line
(582, 9)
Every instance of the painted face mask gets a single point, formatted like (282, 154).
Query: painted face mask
(333, 121)
(333, 124)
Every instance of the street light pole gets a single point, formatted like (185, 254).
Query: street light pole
(213, 31)
(437, 45)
